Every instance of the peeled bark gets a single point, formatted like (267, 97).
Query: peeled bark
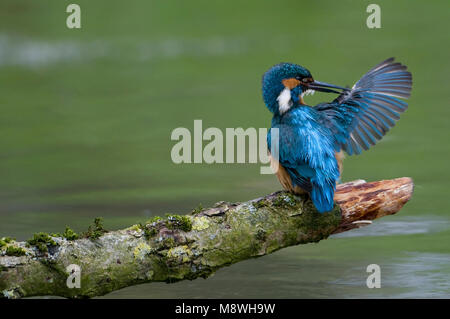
(178, 248)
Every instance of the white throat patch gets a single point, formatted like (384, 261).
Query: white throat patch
(284, 101)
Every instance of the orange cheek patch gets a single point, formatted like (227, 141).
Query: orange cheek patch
(290, 83)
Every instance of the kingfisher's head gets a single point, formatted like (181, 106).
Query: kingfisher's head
(285, 84)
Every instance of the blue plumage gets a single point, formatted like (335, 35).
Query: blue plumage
(310, 137)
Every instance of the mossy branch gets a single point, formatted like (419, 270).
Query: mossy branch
(187, 247)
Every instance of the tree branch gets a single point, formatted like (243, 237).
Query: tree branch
(192, 246)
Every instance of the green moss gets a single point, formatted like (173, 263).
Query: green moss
(55, 267)
(6, 240)
(154, 220)
(41, 241)
(95, 231)
(197, 209)
(285, 200)
(69, 234)
(260, 204)
(292, 197)
(149, 230)
(169, 242)
(318, 226)
(15, 251)
(136, 227)
(181, 222)
(149, 227)
(278, 202)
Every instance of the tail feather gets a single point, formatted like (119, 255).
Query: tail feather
(323, 197)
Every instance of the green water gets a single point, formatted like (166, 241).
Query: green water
(86, 117)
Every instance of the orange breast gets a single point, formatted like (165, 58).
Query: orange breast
(283, 177)
(339, 158)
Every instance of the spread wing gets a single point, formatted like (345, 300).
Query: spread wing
(361, 116)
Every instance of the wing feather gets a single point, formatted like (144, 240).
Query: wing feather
(362, 115)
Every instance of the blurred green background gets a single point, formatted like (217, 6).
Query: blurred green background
(86, 117)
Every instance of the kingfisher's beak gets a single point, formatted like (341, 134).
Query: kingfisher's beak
(325, 87)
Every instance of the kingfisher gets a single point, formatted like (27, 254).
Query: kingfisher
(312, 139)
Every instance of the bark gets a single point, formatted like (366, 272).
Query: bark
(195, 245)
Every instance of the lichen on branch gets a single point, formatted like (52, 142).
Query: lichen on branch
(178, 247)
